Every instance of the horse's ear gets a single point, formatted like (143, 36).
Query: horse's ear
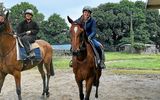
(69, 19)
(7, 14)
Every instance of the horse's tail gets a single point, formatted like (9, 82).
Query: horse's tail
(51, 69)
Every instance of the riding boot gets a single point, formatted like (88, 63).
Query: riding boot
(30, 53)
(102, 63)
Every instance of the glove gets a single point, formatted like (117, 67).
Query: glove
(21, 34)
(28, 32)
(89, 38)
(15, 36)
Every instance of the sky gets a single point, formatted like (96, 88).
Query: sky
(72, 8)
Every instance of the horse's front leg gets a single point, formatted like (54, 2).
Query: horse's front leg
(80, 86)
(2, 77)
(89, 83)
(17, 77)
(98, 75)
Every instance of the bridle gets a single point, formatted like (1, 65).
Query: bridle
(82, 47)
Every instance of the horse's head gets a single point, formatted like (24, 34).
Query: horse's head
(78, 36)
(4, 24)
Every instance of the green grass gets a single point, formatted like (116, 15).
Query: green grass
(117, 60)
(124, 71)
(61, 62)
(132, 61)
(125, 56)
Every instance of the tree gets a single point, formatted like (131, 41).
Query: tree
(114, 23)
(49, 30)
(17, 13)
(2, 8)
(53, 27)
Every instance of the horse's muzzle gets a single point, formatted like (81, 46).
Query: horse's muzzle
(2, 27)
(76, 52)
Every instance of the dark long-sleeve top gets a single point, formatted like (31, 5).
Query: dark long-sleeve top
(24, 26)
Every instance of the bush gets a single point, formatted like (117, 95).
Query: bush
(139, 47)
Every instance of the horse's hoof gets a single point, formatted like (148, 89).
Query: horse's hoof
(19, 98)
(47, 94)
(42, 97)
(43, 93)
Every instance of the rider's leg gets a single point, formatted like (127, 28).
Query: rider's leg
(102, 57)
(26, 40)
(26, 44)
(101, 54)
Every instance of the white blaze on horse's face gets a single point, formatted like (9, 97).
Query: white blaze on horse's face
(75, 36)
(75, 29)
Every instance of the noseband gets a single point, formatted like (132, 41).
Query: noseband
(2, 26)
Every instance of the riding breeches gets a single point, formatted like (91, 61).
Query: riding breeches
(26, 40)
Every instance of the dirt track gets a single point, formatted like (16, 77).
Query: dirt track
(63, 87)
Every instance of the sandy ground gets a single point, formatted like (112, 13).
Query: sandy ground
(64, 87)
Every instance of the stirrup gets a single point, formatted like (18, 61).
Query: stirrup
(70, 63)
(31, 55)
(102, 65)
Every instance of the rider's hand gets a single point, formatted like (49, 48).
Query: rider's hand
(28, 32)
(89, 38)
(15, 35)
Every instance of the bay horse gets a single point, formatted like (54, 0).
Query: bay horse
(83, 61)
(10, 65)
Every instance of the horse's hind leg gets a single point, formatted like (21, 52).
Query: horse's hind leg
(40, 68)
(2, 77)
(47, 66)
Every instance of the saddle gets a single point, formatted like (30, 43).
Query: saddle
(21, 52)
(96, 54)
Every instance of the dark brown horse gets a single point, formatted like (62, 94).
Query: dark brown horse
(10, 65)
(83, 61)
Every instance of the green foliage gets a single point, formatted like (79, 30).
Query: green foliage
(114, 23)
(17, 13)
(139, 47)
(1, 8)
(52, 29)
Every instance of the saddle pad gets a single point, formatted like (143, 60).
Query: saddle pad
(23, 55)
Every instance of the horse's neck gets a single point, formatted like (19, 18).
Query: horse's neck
(7, 42)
